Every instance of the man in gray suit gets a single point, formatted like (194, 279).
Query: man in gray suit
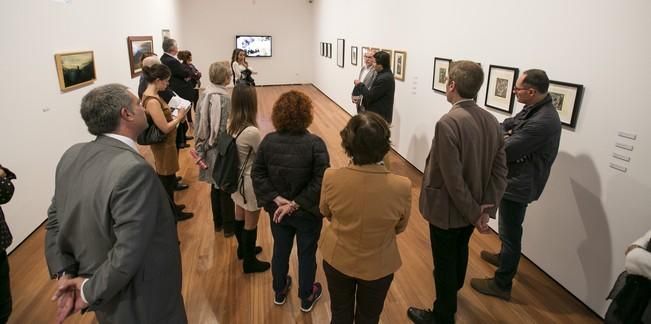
(111, 236)
(463, 182)
(366, 76)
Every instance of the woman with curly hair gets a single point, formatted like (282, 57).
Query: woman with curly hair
(287, 178)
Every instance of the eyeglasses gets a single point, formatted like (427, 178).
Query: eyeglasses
(366, 56)
(520, 89)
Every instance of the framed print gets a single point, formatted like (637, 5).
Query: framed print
(166, 34)
(364, 51)
(353, 55)
(138, 45)
(566, 98)
(341, 51)
(499, 90)
(329, 50)
(399, 62)
(440, 77)
(75, 70)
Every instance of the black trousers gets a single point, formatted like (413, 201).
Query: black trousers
(307, 229)
(180, 134)
(169, 183)
(450, 255)
(510, 225)
(223, 209)
(5, 288)
(353, 299)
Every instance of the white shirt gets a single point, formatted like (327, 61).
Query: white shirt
(638, 260)
(365, 71)
(124, 140)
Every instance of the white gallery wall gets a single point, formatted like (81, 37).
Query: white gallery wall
(589, 212)
(208, 29)
(37, 121)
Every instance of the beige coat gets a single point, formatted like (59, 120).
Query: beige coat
(367, 207)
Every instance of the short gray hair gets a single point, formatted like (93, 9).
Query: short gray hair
(100, 108)
(168, 44)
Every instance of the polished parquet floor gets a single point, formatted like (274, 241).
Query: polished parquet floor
(216, 290)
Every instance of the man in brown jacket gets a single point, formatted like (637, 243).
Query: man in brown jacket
(463, 182)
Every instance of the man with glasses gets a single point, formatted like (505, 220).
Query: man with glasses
(464, 179)
(366, 76)
(531, 140)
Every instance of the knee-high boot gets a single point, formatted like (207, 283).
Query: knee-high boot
(251, 264)
(239, 227)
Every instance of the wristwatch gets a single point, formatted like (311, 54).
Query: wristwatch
(294, 205)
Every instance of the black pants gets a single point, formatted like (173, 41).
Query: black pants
(180, 134)
(450, 254)
(307, 229)
(223, 209)
(5, 288)
(169, 183)
(355, 299)
(510, 225)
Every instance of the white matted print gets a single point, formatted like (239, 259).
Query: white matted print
(440, 77)
(566, 98)
(499, 92)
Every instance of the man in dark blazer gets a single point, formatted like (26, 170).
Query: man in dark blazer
(366, 75)
(179, 83)
(463, 182)
(531, 140)
(378, 98)
(111, 236)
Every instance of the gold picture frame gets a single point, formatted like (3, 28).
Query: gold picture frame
(75, 69)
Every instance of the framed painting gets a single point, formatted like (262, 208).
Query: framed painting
(353, 55)
(566, 98)
(166, 34)
(399, 62)
(499, 90)
(138, 45)
(440, 74)
(75, 69)
(341, 51)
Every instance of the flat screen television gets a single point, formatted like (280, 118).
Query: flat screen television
(254, 46)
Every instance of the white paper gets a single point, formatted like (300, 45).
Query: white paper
(179, 103)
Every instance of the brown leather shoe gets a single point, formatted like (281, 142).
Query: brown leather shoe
(489, 287)
(492, 258)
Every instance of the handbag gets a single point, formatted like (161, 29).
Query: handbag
(151, 134)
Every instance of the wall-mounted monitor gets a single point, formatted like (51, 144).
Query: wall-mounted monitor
(253, 46)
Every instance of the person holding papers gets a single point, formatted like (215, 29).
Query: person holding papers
(165, 154)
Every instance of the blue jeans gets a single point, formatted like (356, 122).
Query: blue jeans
(510, 227)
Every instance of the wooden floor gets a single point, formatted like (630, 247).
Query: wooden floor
(216, 290)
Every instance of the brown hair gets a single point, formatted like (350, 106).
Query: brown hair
(468, 77)
(366, 138)
(184, 56)
(292, 112)
(244, 108)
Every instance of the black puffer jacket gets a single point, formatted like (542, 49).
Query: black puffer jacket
(292, 166)
(531, 150)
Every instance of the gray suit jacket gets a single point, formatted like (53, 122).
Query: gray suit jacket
(368, 82)
(466, 167)
(111, 221)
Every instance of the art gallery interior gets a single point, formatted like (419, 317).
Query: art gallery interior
(576, 233)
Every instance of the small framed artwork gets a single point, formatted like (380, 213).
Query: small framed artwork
(440, 77)
(399, 62)
(341, 51)
(329, 50)
(75, 70)
(166, 34)
(138, 45)
(364, 51)
(566, 98)
(321, 48)
(353, 55)
(499, 92)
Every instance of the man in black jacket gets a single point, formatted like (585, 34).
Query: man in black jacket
(379, 98)
(531, 141)
(179, 83)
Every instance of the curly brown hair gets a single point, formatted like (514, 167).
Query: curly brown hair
(292, 112)
(366, 138)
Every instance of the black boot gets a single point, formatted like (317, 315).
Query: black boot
(251, 264)
(239, 226)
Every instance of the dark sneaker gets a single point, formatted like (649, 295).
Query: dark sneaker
(492, 258)
(308, 303)
(420, 316)
(489, 287)
(281, 297)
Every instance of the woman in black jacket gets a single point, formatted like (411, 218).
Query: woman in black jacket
(287, 177)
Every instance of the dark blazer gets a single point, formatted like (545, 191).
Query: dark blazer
(292, 166)
(111, 221)
(531, 149)
(178, 84)
(379, 97)
(466, 167)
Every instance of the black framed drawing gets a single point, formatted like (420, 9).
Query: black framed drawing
(353, 55)
(566, 98)
(341, 51)
(499, 89)
(440, 77)
(399, 64)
